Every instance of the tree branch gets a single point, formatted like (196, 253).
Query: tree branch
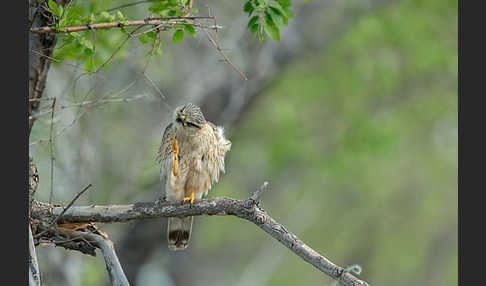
(168, 21)
(245, 209)
(34, 275)
(39, 64)
(113, 266)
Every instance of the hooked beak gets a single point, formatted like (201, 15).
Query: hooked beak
(181, 119)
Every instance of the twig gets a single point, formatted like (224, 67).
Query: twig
(214, 206)
(41, 99)
(113, 266)
(255, 197)
(189, 9)
(91, 102)
(118, 49)
(140, 23)
(217, 47)
(126, 5)
(56, 219)
(55, 60)
(51, 150)
(81, 114)
(71, 203)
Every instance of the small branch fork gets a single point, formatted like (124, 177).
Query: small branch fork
(113, 266)
(248, 209)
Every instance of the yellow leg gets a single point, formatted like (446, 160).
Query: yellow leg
(175, 149)
(190, 198)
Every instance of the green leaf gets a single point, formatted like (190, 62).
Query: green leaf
(144, 38)
(151, 34)
(252, 21)
(159, 7)
(120, 16)
(270, 28)
(88, 65)
(260, 33)
(178, 35)
(277, 7)
(248, 7)
(254, 28)
(107, 16)
(86, 43)
(278, 17)
(88, 52)
(77, 48)
(190, 30)
(285, 4)
(54, 8)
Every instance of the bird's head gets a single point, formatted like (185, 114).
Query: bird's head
(188, 117)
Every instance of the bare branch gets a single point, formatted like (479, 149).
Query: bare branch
(165, 21)
(91, 102)
(72, 202)
(214, 206)
(113, 266)
(127, 5)
(51, 150)
(217, 47)
(56, 219)
(256, 195)
(81, 114)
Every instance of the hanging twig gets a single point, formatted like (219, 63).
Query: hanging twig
(51, 150)
(91, 103)
(217, 47)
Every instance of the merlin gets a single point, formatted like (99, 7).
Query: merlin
(191, 157)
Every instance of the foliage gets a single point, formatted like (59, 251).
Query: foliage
(93, 48)
(269, 16)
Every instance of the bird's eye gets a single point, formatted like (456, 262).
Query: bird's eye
(192, 124)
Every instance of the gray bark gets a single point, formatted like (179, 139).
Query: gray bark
(113, 266)
(34, 273)
(245, 209)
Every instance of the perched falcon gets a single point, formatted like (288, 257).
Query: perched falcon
(191, 156)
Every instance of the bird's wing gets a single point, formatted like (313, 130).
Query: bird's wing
(223, 145)
(164, 154)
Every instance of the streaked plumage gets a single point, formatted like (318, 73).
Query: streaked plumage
(201, 151)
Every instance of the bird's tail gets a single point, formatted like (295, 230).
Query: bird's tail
(179, 232)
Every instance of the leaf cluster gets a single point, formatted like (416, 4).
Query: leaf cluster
(269, 16)
(94, 47)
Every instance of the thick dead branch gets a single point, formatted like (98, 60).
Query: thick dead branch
(113, 266)
(33, 181)
(34, 276)
(39, 64)
(245, 209)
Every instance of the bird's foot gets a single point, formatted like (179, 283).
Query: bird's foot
(190, 198)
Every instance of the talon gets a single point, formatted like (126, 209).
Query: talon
(190, 198)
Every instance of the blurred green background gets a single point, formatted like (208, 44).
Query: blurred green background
(358, 141)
